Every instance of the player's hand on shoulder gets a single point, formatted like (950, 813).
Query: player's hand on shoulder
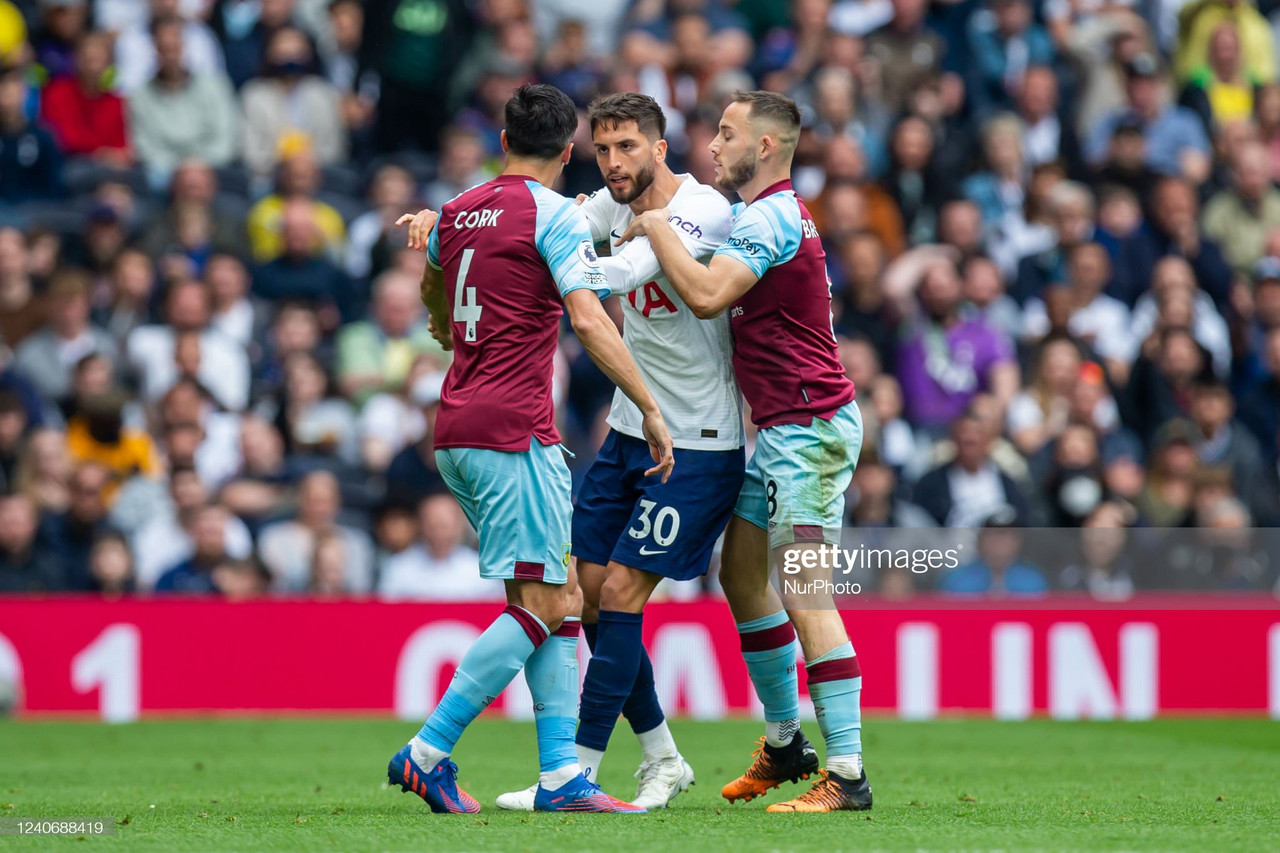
(444, 336)
(581, 199)
(661, 449)
(420, 225)
(640, 226)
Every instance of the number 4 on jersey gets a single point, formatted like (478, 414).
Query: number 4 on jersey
(465, 307)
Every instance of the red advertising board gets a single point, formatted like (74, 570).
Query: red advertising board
(1063, 657)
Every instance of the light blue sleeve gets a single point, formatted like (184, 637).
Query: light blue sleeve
(563, 238)
(433, 244)
(765, 234)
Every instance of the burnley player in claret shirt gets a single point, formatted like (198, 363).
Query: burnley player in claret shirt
(770, 275)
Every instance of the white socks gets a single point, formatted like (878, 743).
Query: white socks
(589, 760)
(846, 766)
(554, 779)
(781, 732)
(425, 755)
(657, 743)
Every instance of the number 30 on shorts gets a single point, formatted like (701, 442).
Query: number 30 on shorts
(664, 525)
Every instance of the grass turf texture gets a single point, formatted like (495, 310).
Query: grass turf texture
(304, 785)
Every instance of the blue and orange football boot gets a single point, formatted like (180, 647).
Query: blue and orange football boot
(580, 795)
(439, 788)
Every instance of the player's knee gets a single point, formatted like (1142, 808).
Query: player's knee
(626, 590)
(573, 600)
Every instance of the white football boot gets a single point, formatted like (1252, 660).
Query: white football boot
(662, 781)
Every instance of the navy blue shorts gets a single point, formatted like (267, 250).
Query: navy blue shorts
(667, 529)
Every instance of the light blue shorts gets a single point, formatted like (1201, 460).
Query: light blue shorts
(797, 477)
(521, 506)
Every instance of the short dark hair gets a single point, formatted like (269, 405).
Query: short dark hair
(613, 110)
(541, 120)
(772, 106)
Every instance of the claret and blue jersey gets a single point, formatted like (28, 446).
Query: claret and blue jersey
(784, 350)
(511, 250)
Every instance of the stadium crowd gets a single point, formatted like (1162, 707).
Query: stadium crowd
(1053, 231)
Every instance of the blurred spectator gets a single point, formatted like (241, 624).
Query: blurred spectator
(132, 283)
(1074, 485)
(297, 180)
(111, 566)
(86, 118)
(30, 162)
(1173, 230)
(24, 565)
(461, 166)
(302, 271)
(1047, 137)
(375, 355)
(1105, 569)
(71, 535)
(998, 570)
(1165, 501)
(1175, 300)
(1071, 214)
(209, 550)
(412, 474)
(1241, 217)
(1005, 42)
(20, 312)
(286, 547)
(1199, 20)
(312, 418)
(1098, 320)
(872, 498)
(165, 539)
(263, 484)
(1223, 442)
(43, 471)
(964, 492)
(1161, 382)
(193, 205)
(233, 313)
(188, 404)
(907, 50)
(291, 108)
(328, 566)
(48, 356)
(138, 55)
(61, 24)
(912, 180)
(372, 234)
(943, 360)
(153, 353)
(1221, 89)
(1176, 143)
(178, 113)
(13, 432)
(98, 434)
(1260, 406)
(358, 86)
(1040, 411)
(391, 422)
(439, 567)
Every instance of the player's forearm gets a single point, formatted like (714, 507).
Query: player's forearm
(600, 338)
(694, 282)
(432, 291)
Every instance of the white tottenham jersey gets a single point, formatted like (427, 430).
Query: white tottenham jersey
(686, 362)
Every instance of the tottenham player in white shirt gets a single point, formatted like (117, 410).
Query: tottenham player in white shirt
(629, 531)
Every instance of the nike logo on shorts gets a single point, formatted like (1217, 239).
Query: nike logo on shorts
(645, 552)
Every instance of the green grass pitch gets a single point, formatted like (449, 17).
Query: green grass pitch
(303, 785)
